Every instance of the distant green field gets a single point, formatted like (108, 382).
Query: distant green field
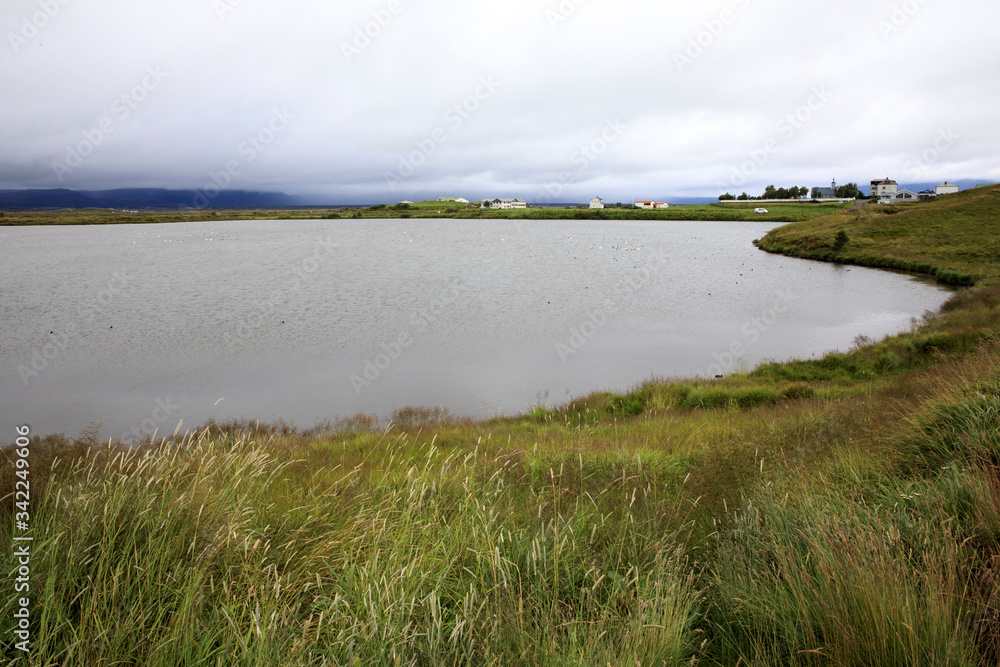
(425, 209)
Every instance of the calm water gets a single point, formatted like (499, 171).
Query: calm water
(139, 326)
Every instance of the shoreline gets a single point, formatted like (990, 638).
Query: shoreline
(721, 212)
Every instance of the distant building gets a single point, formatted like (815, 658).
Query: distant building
(903, 195)
(405, 202)
(596, 202)
(504, 203)
(883, 189)
(649, 203)
(945, 188)
(461, 200)
(828, 193)
(447, 199)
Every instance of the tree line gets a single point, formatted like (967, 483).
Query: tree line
(849, 191)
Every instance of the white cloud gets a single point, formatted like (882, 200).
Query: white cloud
(358, 110)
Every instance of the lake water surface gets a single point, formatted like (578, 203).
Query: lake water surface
(138, 326)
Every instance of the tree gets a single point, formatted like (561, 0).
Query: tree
(744, 197)
(815, 193)
(770, 192)
(849, 191)
(726, 197)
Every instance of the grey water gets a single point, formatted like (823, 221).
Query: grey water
(143, 327)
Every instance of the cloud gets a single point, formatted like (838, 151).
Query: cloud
(700, 86)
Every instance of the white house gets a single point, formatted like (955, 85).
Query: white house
(883, 189)
(505, 203)
(945, 188)
(649, 203)
(596, 202)
(903, 195)
(461, 200)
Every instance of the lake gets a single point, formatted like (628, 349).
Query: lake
(142, 326)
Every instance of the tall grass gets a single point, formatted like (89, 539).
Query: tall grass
(214, 550)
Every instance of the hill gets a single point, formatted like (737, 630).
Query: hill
(954, 237)
(139, 198)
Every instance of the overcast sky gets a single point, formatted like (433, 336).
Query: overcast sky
(378, 101)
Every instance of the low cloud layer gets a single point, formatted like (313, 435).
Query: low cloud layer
(558, 100)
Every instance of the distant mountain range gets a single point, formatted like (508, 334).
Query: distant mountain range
(139, 198)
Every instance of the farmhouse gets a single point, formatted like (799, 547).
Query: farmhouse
(649, 203)
(504, 203)
(945, 188)
(596, 202)
(883, 189)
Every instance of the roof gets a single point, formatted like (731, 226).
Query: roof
(884, 181)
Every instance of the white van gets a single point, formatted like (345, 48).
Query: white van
(760, 210)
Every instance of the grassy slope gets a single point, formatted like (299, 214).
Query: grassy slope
(957, 234)
(835, 511)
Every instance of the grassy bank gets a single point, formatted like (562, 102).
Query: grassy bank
(843, 510)
(727, 212)
(953, 237)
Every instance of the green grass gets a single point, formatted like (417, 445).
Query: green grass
(429, 209)
(842, 510)
(954, 237)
